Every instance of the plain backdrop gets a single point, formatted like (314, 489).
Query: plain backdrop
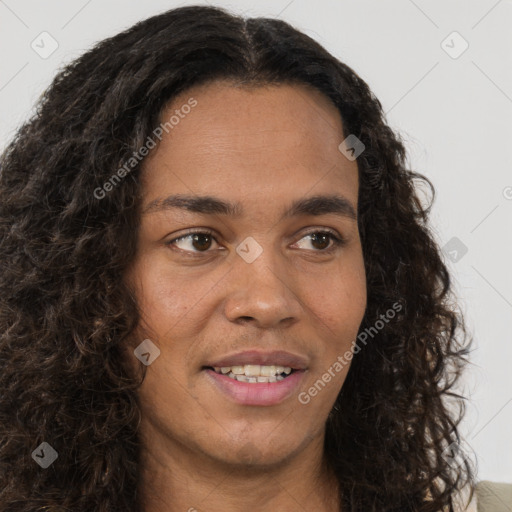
(443, 73)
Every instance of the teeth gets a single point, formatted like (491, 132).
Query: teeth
(268, 371)
(252, 370)
(255, 372)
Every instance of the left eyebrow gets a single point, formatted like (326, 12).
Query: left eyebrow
(322, 205)
(209, 205)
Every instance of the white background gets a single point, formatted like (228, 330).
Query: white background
(453, 113)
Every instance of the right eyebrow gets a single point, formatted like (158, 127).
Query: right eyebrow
(207, 205)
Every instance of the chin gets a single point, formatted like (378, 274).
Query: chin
(260, 452)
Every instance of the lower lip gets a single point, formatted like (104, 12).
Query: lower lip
(259, 393)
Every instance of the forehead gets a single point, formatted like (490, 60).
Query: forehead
(256, 143)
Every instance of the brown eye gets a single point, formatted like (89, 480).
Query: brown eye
(321, 238)
(320, 241)
(194, 242)
(202, 241)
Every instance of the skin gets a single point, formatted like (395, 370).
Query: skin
(264, 147)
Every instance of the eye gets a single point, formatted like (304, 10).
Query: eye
(322, 237)
(201, 241)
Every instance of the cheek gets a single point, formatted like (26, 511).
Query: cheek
(338, 301)
(163, 299)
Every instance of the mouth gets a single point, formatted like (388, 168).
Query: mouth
(254, 373)
(257, 378)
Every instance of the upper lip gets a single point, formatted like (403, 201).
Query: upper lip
(276, 357)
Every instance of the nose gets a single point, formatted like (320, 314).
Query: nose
(262, 292)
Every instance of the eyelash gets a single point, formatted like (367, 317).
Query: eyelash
(338, 240)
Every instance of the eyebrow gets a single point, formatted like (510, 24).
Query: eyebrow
(209, 205)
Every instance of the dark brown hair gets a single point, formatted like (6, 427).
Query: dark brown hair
(65, 312)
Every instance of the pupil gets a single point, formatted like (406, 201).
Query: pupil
(315, 238)
(199, 236)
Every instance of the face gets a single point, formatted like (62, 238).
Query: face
(259, 291)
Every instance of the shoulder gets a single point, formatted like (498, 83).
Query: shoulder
(493, 496)
(487, 497)
(462, 502)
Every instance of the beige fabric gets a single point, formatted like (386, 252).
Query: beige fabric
(473, 506)
(462, 499)
(494, 497)
(488, 497)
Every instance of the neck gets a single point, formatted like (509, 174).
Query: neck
(176, 479)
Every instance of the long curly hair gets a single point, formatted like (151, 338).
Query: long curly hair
(65, 311)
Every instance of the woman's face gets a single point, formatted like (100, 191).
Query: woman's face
(267, 288)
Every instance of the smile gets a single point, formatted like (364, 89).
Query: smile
(260, 390)
(255, 373)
